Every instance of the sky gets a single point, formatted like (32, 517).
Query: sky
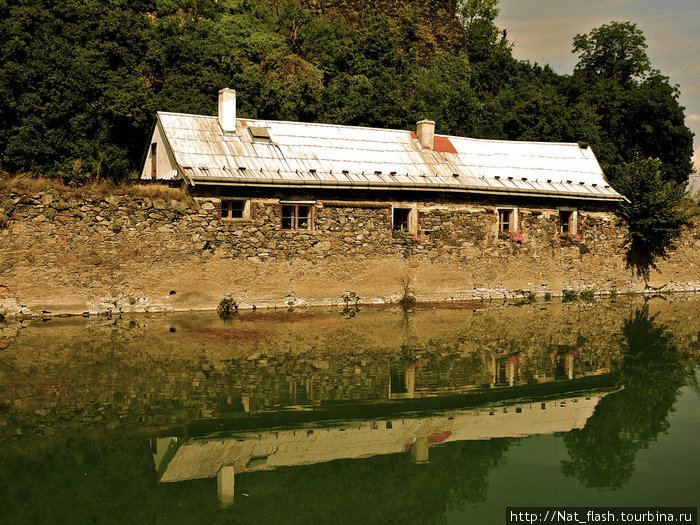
(542, 31)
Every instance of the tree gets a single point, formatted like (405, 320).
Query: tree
(653, 212)
(636, 107)
(614, 51)
(480, 31)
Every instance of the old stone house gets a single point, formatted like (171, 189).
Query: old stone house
(281, 187)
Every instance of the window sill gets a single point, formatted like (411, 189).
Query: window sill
(235, 221)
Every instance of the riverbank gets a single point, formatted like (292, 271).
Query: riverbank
(156, 249)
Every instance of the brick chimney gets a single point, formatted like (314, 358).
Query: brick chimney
(227, 110)
(425, 131)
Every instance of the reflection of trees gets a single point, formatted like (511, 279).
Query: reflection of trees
(380, 489)
(112, 480)
(602, 454)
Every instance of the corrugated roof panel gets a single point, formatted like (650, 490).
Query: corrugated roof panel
(311, 151)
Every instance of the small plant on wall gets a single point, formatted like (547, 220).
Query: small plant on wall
(408, 296)
(587, 295)
(566, 239)
(516, 236)
(403, 235)
(513, 236)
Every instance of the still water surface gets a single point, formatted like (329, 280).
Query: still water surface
(373, 416)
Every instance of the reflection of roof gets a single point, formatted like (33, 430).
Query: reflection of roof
(270, 448)
(323, 155)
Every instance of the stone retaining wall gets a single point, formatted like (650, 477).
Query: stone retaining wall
(126, 254)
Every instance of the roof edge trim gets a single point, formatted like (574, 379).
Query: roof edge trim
(217, 181)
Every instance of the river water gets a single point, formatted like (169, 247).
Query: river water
(428, 415)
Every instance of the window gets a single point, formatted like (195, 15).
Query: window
(507, 220)
(567, 222)
(232, 209)
(404, 218)
(401, 218)
(296, 217)
(259, 134)
(154, 160)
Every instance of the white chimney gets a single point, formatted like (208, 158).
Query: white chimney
(425, 131)
(227, 109)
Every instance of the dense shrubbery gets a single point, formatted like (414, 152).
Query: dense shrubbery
(81, 82)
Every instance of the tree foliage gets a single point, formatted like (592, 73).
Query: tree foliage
(615, 51)
(654, 212)
(80, 80)
(636, 108)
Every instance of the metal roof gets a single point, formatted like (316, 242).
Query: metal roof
(322, 155)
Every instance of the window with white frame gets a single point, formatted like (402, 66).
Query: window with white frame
(234, 209)
(297, 216)
(507, 220)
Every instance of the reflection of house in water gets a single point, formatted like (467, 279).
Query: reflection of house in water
(409, 377)
(223, 454)
(402, 381)
(512, 370)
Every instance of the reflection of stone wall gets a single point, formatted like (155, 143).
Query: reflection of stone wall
(125, 254)
(74, 373)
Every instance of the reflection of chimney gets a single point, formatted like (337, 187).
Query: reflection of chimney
(225, 483)
(227, 109)
(419, 450)
(425, 131)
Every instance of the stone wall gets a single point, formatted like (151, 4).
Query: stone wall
(62, 254)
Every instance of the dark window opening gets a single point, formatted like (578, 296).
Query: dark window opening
(232, 209)
(401, 216)
(566, 221)
(398, 381)
(296, 217)
(154, 160)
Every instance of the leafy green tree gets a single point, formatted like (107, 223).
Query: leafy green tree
(480, 30)
(80, 83)
(615, 51)
(443, 93)
(636, 107)
(653, 212)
